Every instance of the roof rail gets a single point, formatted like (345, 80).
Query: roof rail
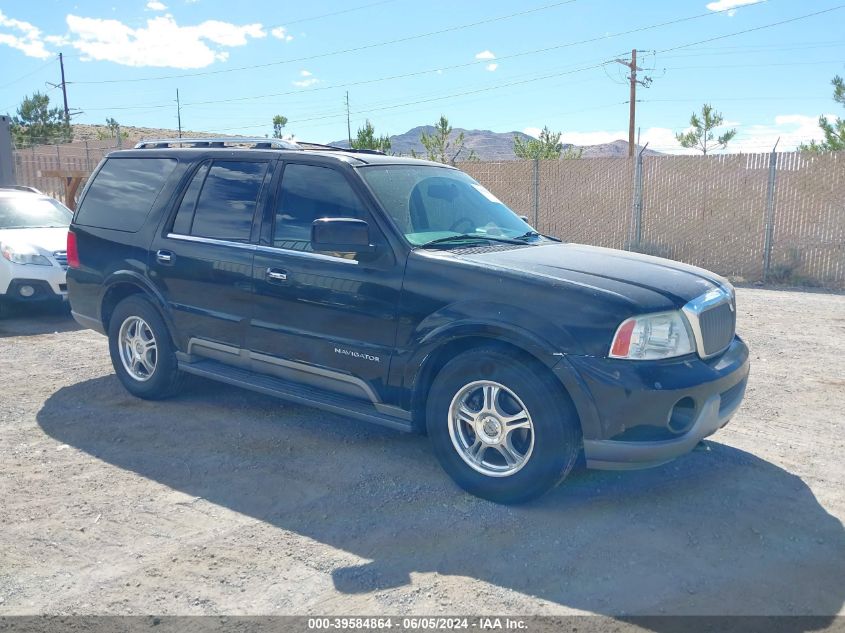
(335, 148)
(256, 142)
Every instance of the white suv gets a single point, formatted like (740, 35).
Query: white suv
(33, 239)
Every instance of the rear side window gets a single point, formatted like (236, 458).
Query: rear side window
(123, 192)
(226, 203)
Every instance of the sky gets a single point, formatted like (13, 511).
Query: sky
(499, 65)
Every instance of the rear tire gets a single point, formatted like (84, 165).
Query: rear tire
(143, 356)
(501, 427)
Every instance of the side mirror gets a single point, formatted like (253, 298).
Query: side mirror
(342, 235)
(524, 218)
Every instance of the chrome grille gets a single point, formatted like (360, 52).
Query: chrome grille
(712, 317)
(717, 328)
(61, 257)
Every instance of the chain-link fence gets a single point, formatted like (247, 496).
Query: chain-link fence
(753, 217)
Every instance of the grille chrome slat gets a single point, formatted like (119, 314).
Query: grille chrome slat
(717, 328)
(61, 258)
(712, 317)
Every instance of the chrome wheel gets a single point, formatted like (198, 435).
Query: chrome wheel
(491, 428)
(138, 349)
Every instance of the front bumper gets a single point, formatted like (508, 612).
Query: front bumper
(35, 290)
(631, 405)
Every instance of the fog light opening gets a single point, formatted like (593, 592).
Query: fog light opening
(682, 416)
(26, 291)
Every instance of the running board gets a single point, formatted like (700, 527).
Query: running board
(294, 392)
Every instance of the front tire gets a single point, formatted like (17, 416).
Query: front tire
(500, 427)
(142, 353)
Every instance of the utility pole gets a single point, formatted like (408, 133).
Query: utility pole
(348, 123)
(645, 83)
(64, 88)
(178, 113)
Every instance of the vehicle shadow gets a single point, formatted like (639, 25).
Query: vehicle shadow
(715, 533)
(32, 320)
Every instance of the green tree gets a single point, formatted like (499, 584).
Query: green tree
(548, 146)
(702, 136)
(834, 133)
(36, 122)
(367, 139)
(279, 123)
(440, 147)
(111, 131)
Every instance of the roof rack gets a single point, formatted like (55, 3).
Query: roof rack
(255, 142)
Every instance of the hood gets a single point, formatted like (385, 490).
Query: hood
(43, 240)
(631, 275)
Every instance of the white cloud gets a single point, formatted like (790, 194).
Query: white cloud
(24, 37)
(162, 43)
(485, 55)
(155, 5)
(729, 5)
(281, 34)
(491, 67)
(308, 79)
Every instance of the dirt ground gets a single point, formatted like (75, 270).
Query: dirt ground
(221, 501)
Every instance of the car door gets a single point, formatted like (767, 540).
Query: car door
(202, 260)
(325, 319)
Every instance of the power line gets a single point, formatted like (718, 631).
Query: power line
(751, 30)
(334, 13)
(430, 70)
(339, 52)
(29, 74)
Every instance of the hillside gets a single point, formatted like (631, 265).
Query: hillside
(492, 146)
(488, 145)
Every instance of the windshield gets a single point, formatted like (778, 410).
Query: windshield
(28, 211)
(432, 203)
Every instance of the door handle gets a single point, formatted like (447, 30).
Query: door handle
(274, 274)
(164, 257)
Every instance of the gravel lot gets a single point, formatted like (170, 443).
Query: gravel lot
(223, 501)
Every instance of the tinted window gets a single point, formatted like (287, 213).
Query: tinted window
(308, 193)
(227, 201)
(185, 215)
(123, 192)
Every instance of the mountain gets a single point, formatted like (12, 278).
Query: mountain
(488, 145)
(492, 146)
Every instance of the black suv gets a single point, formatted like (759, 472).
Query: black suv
(400, 292)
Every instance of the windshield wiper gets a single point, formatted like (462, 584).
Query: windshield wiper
(532, 233)
(470, 236)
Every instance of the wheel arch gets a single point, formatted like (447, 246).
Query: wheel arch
(122, 284)
(438, 353)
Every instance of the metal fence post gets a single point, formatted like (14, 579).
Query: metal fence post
(770, 212)
(536, 196)
(635, 234)
(7, 164)
(87, 157)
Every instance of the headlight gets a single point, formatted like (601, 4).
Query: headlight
(652, 336)
(21, 255)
